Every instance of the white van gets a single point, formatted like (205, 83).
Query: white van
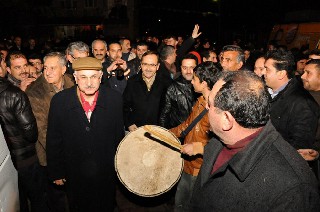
(9, 193)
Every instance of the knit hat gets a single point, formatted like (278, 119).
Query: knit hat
(197, 55)
(87, 63)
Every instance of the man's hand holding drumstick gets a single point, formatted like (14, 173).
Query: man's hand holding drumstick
(192, 149)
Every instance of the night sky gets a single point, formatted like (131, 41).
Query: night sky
(219, 21)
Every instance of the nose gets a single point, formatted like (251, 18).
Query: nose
(89, 83)
(303, 76)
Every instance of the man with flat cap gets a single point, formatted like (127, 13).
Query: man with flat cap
(85, 125)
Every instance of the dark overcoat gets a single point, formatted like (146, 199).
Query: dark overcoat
(83, 152)
(295, 114)
(267, 175)
(141, 106)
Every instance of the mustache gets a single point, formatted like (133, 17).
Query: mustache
(89, 87)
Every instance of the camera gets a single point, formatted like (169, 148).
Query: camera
(119, 72)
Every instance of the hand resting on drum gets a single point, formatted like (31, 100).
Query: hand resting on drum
(132, 128)
(192, 149)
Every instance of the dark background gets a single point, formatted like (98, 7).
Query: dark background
(221, 21)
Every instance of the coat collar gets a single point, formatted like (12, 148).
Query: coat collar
(289, 88)
(243, 162)
(101, 101)
(47, 87)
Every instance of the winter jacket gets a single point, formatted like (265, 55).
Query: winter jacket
(40, 93)
(199, 133)
(180, 98)
(141, 106)
(267, 175)
(18, 124)
(294, 113)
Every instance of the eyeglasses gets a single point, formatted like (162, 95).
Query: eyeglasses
(75, 58)
(149, 65)
(187, 67)
(36, 63)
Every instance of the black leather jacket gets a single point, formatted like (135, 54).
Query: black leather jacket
(18, 124)
(180, 98)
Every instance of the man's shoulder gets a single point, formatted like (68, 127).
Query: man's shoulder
(107, 91)
(165, 81)
(38, 87)
(65, 94)
(177, 84)
(294, 94)
(134, 79)
(8, 88)
(68, 81)
(281, 156)
(291, 165)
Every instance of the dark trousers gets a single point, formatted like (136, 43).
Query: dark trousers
(31, 187)
(56, 195)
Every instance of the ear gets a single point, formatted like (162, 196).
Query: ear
(101, 74)
(69, 58)
(205, 84)
(281, 74)
(108, 54)
(75, 77)
(240, 65)
(227, 121)
(64, 69)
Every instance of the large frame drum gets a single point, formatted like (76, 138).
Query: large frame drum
(146, 165)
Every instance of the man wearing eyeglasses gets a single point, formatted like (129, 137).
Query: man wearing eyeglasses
(18, 69)
(36, 61)
(85, 126)
(231, 58)
(75, 50)
(180, 95)
(144, 94)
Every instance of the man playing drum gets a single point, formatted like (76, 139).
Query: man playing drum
(203, 80)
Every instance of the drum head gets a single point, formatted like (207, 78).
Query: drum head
(145, 165)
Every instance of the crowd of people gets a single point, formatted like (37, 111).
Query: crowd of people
(248, 120)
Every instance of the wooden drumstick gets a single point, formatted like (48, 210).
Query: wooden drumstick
(163, 138)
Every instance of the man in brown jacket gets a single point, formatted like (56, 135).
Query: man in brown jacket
(203, 80)
(40, 93)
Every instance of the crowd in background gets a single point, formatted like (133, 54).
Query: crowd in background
(186, 70)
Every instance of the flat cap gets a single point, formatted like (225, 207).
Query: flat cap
(87, 63)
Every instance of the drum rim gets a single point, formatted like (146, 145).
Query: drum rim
(156, 194)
